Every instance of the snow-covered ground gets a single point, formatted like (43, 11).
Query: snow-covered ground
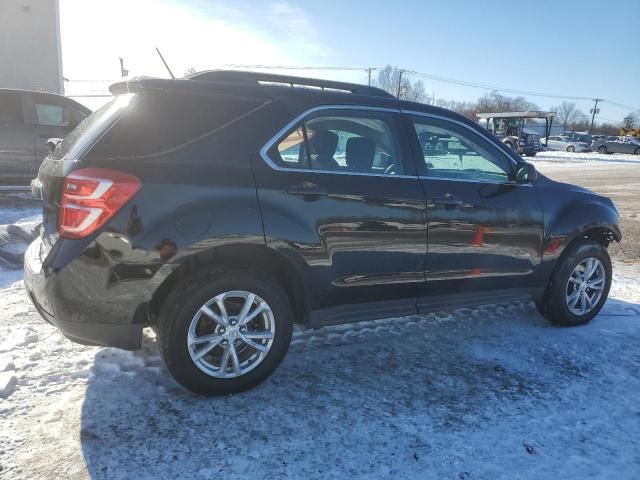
(589, 157)
(487, 393)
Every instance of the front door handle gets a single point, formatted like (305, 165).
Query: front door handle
(447, 200)
(308, 191)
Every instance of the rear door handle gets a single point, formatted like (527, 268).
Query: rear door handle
(448, 200)
(308, 191)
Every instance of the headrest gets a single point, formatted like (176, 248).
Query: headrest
(360, 153)
(323, 143)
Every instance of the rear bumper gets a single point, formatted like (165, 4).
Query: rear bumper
(69, 301)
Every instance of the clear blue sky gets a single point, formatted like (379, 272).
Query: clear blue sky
(577, 48)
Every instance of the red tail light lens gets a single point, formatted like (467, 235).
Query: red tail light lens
(90, 197)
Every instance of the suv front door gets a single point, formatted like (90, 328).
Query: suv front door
(340, 197)
(485, 230)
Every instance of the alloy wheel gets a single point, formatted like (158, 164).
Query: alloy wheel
(585, 286)
(231, 334)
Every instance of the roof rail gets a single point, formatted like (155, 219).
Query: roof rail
(246, 77)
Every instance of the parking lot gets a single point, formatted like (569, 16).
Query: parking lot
(478, 393)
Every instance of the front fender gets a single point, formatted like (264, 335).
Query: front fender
(576, 218)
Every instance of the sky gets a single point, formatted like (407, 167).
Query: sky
(569, 48)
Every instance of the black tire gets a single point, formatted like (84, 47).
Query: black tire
(531, 154)
(571, 149)
(553, 306)
(602, 149)
(637, 151)
(183, 302)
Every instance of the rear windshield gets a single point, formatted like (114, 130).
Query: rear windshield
(89, 130)
(159, 123)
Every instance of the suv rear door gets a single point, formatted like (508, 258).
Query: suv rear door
(16, 138)
(339, 195)
(485, 231)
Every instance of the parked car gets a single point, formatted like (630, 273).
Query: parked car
(223, 208)
(596, 138)
(565, 144)
(27, 121)
(578, 137)
(618, 145)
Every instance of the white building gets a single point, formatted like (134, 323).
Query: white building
(30, 52)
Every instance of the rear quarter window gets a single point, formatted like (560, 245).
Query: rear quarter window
(159, 123)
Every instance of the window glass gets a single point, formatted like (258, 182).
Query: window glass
(349, 142)
(157, 123)
(47, 114)
(455, 154)
(10, 108)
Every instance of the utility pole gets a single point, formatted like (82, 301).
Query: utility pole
(369, 70)
(594, 110)
(123, 71)
(399, 82)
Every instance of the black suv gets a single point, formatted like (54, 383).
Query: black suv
(223, 208)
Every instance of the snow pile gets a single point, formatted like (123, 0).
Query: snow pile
(589, 157)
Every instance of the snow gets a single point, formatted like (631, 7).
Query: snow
(487, 393)
(587, 157)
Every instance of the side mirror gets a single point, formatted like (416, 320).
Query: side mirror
(526, 173)
(52, 143)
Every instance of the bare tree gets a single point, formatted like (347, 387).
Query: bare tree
(568, 114)
(388, 79)
(189, 71)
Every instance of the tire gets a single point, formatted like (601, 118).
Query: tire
(554, 304)
(637, 151)
(571, 149)
(531, 154)
(510, 145)
(184, 306)
(602, 149)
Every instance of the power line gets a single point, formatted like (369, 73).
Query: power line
(621, 105)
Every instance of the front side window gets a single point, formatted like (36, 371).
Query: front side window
(341, 141)
(452, 153)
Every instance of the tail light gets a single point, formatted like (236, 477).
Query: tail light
(90, 197)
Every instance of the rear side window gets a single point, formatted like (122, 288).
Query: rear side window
(157, 123)
(49, 114)
(10, 109)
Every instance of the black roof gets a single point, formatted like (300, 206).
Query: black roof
(299, 91)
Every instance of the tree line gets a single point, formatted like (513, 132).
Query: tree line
(568, 115)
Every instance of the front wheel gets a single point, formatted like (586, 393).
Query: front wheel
(602, 149)
(226, 332)
(571, 149)
(637, 151)
(579, 285)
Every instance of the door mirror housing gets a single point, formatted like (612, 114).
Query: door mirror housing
(526, 173)
(52, 143)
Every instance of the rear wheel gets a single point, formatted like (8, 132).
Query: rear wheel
(579, 285)
(224, 333)
(637, 151)
(571, 148)
(602, 149)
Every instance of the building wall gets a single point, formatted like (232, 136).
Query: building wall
(30, 53)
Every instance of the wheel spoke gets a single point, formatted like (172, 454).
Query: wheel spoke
(234, 359)
(573, 298)
(204, 339)
(258, 310)
(258, 335)
(206, 349)
(590, 268)
(219, 319)
(248, 303)
(589, 301)
(224, 361)
(583, 303)
(257, 346)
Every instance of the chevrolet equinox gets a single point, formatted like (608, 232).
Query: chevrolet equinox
(222, 208)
